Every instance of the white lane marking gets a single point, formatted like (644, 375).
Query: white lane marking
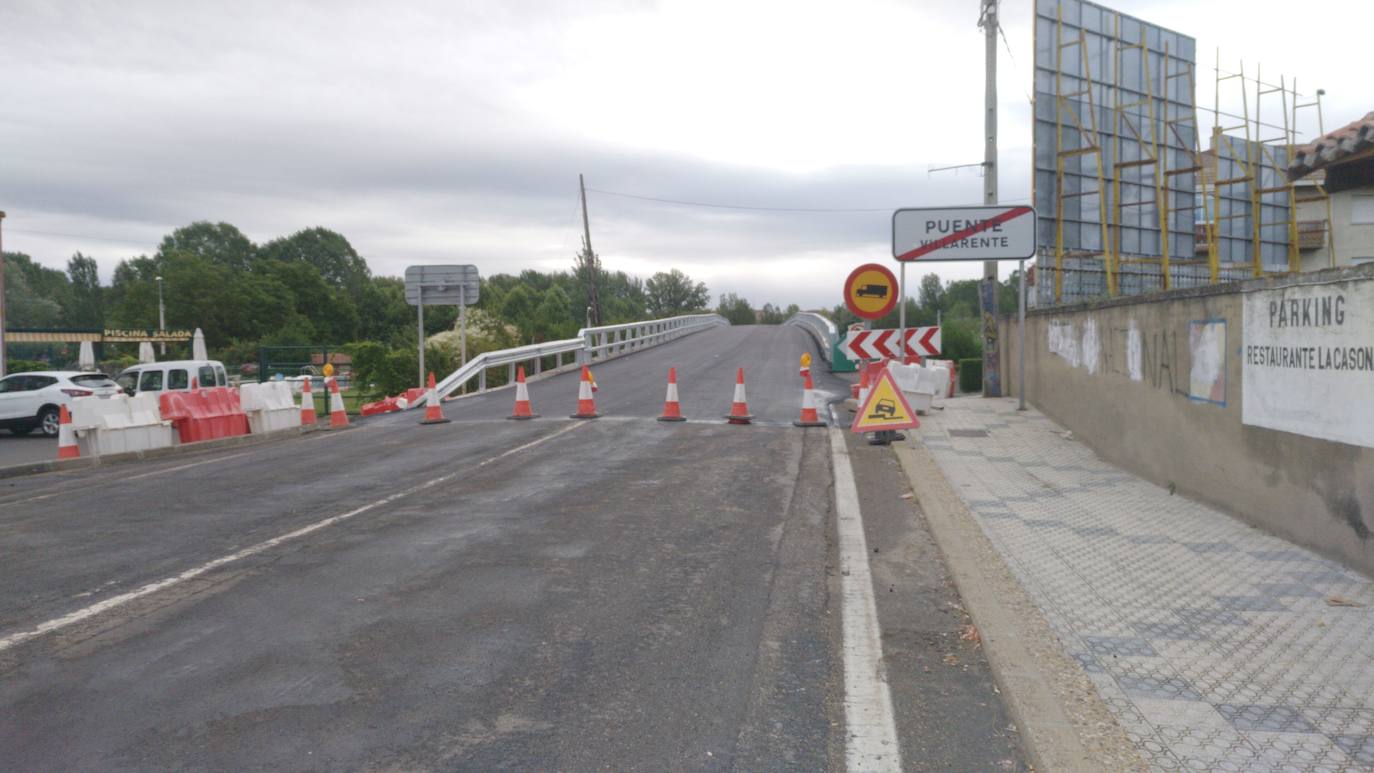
(870, 728)
(115, 601)
(186, 466)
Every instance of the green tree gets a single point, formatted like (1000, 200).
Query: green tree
(736, 310)
(671, 293)
(771, 315)
(218, 243)
(931, 293)
(329, 252)
(88, 297)
(553, 319)
(35, 296)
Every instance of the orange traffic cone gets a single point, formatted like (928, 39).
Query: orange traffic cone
(586, 404)
(808, 411)
(307, 405)
(66, 437)
(739, 409)
(863, 386)
(434, 411)
(337, 416)
(672, 410)
(523, 410)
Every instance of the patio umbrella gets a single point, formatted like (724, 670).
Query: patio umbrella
(198, 346)
(86, 360)
(145, 353)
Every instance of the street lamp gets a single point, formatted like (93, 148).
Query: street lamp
(161, 315)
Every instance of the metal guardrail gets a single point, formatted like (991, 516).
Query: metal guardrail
(593, 344)
(820, 328)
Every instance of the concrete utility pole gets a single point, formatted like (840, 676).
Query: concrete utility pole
(3, 362)
(987, 291)
(589, 260)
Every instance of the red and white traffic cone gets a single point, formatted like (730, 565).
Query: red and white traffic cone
(809, 418)
(308, 418)
(672, 409)
(66, 436)
(739, 409)
(337, 416)
(434, 410)
(586, 404)
(523, 410)
(862, 394)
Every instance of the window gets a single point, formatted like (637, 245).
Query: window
(93, 381)
(207, 376)
(127, 381)
(150, 381)
(220, 378)
(11, 384)
(177, 379)
(35, 383)
(1362, 210)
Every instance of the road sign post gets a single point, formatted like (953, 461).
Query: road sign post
(989, 233)
(449, 285)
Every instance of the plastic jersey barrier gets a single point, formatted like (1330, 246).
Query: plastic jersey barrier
(204, 414)
(118, 424)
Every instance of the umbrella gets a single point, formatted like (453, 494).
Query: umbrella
(145, 353)
(198, 346)
(86, 360)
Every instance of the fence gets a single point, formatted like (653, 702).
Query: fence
(594, 344)
(1086, 279)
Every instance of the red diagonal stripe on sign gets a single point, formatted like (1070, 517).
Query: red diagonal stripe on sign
(925, 340)
(856, 344)
(880, 346)
(942, 243)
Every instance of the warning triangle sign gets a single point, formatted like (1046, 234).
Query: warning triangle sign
(885, 408)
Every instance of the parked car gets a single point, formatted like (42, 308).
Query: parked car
(172, 375)
(32, 401)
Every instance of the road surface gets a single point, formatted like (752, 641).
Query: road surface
(486, 594)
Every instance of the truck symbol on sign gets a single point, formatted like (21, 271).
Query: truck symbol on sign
(885, 409)
(876, 291)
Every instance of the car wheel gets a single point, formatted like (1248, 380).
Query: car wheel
(49, 420)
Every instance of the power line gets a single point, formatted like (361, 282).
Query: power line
(738, 206)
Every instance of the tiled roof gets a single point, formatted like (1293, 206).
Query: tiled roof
(1333, 147)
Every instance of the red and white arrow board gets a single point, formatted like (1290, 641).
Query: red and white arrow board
(882, 344)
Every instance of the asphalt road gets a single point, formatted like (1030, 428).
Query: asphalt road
(16, 449)
(486, 594)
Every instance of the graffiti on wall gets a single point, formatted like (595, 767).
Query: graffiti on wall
(1197, 372)
(1207, 350)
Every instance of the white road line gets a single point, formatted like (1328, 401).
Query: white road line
(85, 613)
(186, 466)
(870, 729)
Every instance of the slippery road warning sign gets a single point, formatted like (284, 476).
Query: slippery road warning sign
(885, 408)
(964, 233)
(870, 291)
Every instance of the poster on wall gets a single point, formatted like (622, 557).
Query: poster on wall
(1309, 361)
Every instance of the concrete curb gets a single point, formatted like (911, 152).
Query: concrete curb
(1064, 723)
(88, 462)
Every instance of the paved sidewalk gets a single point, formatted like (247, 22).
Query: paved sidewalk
(1213, 643)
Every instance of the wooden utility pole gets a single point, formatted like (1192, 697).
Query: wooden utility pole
(589, 262)
(987, 291)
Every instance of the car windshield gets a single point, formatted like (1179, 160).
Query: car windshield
(93, 381)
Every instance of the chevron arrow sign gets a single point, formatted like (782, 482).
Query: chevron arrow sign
(883, 345)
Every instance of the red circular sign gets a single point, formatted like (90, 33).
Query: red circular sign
(871, 291)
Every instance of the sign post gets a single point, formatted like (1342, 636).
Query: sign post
(450, 285)
(989, 233)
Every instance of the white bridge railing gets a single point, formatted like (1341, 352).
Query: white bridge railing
(593, 344)
(820, 328)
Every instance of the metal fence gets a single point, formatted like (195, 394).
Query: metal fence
(594, 344)
(820, 328)
(1086, 279)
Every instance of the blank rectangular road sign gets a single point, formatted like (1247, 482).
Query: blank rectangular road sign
(964, 233)
(443, 285)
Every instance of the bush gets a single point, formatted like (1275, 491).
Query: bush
(25, 366)
(971, 375)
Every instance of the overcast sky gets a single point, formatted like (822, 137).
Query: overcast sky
(454, 131)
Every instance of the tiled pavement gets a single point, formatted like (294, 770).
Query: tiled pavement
(1212, 642)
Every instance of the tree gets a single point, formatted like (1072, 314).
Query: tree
(553, 319)
(771, 315)
(88, 301)
(219, 243)
(736, 310)
(328, 251)
(931, 293)
(671, 293)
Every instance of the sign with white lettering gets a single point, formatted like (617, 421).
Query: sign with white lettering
(1309, 361)
(964, 233)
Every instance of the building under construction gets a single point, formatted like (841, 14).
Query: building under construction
(1134, 193)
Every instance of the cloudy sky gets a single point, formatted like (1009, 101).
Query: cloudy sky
(455, 131)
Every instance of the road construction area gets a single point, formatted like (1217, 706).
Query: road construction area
(617, 593)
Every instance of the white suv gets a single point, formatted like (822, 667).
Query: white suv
(30, 401)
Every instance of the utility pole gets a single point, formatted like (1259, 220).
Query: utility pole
(3, 361)
(987, 290)
(589, 261)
